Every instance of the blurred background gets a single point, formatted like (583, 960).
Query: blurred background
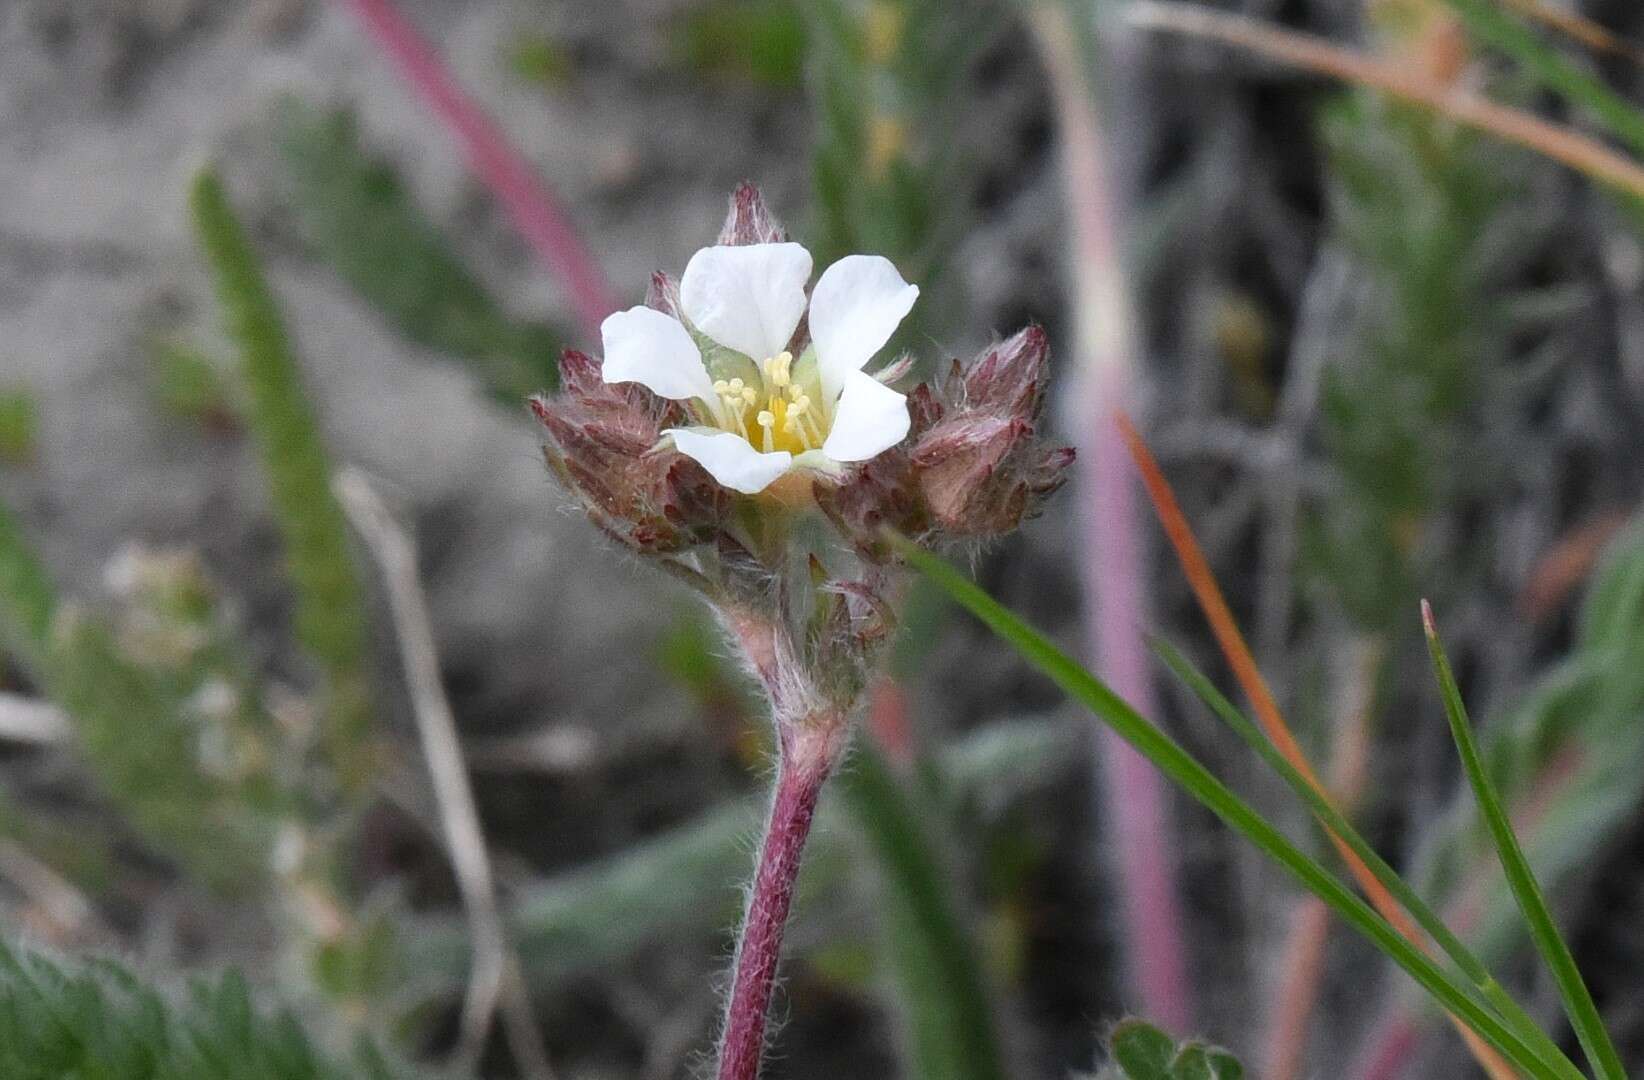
(1381, 355)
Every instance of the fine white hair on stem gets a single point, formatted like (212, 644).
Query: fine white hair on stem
(495, 977)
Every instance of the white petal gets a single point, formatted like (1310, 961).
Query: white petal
(731, 459)
(855, 308)
(870, 418)
(748, 298)
(656, 351)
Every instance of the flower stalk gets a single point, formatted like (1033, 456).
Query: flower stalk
(732, 435)
(806, 760)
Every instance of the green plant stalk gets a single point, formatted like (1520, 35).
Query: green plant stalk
(330, 618)
(950, 1029)
(1459, 998)
(1333, 820)
(1485, 20)
(1578, 1002)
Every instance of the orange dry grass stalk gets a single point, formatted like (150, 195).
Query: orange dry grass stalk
(1232, 643)
(1577, 28)
(1312, 53)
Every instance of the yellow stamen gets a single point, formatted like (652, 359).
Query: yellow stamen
(778, 369)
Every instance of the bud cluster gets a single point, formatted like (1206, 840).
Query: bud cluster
(604, 448)
(808, 607)
(973, 466)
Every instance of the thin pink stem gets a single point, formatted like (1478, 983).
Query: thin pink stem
(1112, 563)
(799, 780)
(535, 211)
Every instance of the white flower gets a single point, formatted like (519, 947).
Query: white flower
(760, 413)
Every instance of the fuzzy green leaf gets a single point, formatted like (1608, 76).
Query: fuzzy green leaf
(948, 1021)
(330, 618)
(97, 1021)
(360, 219)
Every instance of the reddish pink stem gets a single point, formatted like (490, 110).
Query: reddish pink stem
(535, 211)
(1112, 565)
(799, 781)
(1137, 810)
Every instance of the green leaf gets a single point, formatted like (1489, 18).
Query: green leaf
(1462, 1000)
(1568, 757)
(1139, 1051)
(1197, 1062)
(95, 1020)
(28, 600)
(330, 614)
(761, 41)
(683, 878)
(1578, 1002)
(1334, 822)
(948, 1022)
(359, 218)
(1142, 1051)
(156, 778)
(882, 80)
(19, 426)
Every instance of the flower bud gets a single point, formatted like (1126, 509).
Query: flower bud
(748, 221)
(603, 447)
(884, 492)
(663, 295)
(981, 470)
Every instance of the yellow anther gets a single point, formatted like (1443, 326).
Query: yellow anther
(722, 387)
(749, 395)
(766, 418)
(800, 404)
(735, 386)
(777, 369)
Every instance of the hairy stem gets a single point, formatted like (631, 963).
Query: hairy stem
(808, 756)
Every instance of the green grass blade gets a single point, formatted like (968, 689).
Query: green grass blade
(1333, 820)
(1457, 997)
(949, 1022)
(1578, 1002)
(1486, 21)
(330, 599)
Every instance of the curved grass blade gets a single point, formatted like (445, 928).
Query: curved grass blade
(1239, 657)
(1578, 1002)
(1333, 820)
(1456, 997)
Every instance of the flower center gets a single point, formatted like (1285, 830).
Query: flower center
(778, 416)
